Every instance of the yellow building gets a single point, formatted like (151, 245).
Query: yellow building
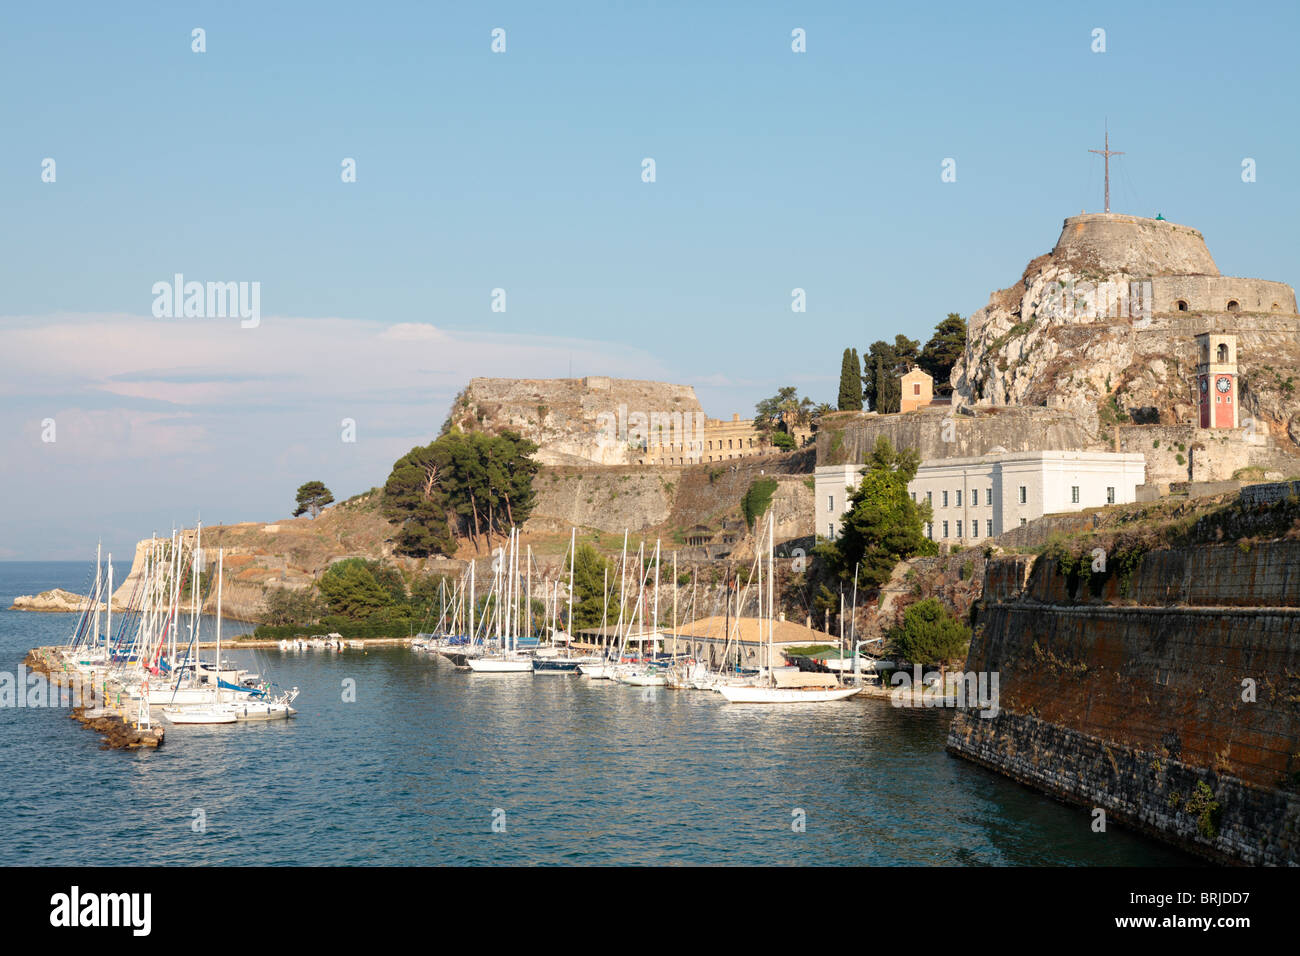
(917, 390)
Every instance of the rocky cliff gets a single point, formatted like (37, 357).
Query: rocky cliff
(577, 421)
(1104, 325)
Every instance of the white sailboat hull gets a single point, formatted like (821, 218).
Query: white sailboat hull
(644, 680)
(785, 695)
(199, 715)
(499, 665)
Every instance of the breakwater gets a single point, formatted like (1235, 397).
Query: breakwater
(1166, 694)
(101, 706)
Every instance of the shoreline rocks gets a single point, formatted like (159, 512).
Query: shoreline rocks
(57, 601)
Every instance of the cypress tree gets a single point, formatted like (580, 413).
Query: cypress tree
(850, 397)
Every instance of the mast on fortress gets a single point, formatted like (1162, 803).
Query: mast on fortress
(1107, 153)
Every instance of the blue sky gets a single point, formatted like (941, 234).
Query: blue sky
(521, 171)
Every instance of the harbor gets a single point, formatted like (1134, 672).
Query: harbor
(411, 768)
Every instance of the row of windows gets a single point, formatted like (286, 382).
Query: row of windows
(1022, 497)
(739, 443)
(974, 529)
(974, 497)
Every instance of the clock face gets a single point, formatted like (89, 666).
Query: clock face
(1223, 384)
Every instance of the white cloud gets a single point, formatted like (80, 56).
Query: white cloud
(182, 415)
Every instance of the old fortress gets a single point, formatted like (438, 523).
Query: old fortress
(1121, 366)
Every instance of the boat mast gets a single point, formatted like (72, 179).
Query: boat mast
(99, 559)
(674, 604)
(654, 630)
(174, 609)
(108, 627)
(216, 679)
(604, 599)
(771, 591)
(196, 558)
(758, 559)
(573, 559)
(471, 601)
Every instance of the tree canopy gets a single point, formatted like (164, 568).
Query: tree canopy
(929, 634)
(883, 364)
(351, 589)
(883, 524)
(313, 497)
(589, 582)
(472, 485)
(944, 348)
(783, 411)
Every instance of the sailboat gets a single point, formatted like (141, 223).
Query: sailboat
(211, 712)
(782, 685)
(229, 706)
(508, 659)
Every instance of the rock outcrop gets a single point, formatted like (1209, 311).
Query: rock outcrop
(1104, 326)
(59, 601)
(576, 421)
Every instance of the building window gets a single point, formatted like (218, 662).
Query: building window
(830, 531)
(1232, 306)
(1022, 522)
(959, 502)
(1223, 353)
(945, 502)
(989, 499)
(914, 497)
(1024, 494)
(1110, 496)
(959, 529)
(916, 388)
(1182, 305)
(830, 502)
(929, 530)
(929, 497)
(945, 529)
(989, 525)
(1074, 494)
(974, 497)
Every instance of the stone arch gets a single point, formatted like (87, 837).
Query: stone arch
(1233, 305)
(1182, 305)
(1223, 353)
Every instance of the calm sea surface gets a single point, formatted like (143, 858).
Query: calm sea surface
(417, 769)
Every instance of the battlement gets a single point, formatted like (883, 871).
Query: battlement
(1105, 243)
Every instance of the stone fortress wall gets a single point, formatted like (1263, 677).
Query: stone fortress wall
(575, 420)
(1175, 258)
(600, 420)
(1106, 243)
(1126, 693)
(1221, 294)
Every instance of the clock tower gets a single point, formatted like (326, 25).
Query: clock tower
(1216, 380)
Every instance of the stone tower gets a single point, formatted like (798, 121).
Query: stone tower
(1216, 379)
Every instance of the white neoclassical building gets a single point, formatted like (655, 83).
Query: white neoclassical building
(978, 498)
